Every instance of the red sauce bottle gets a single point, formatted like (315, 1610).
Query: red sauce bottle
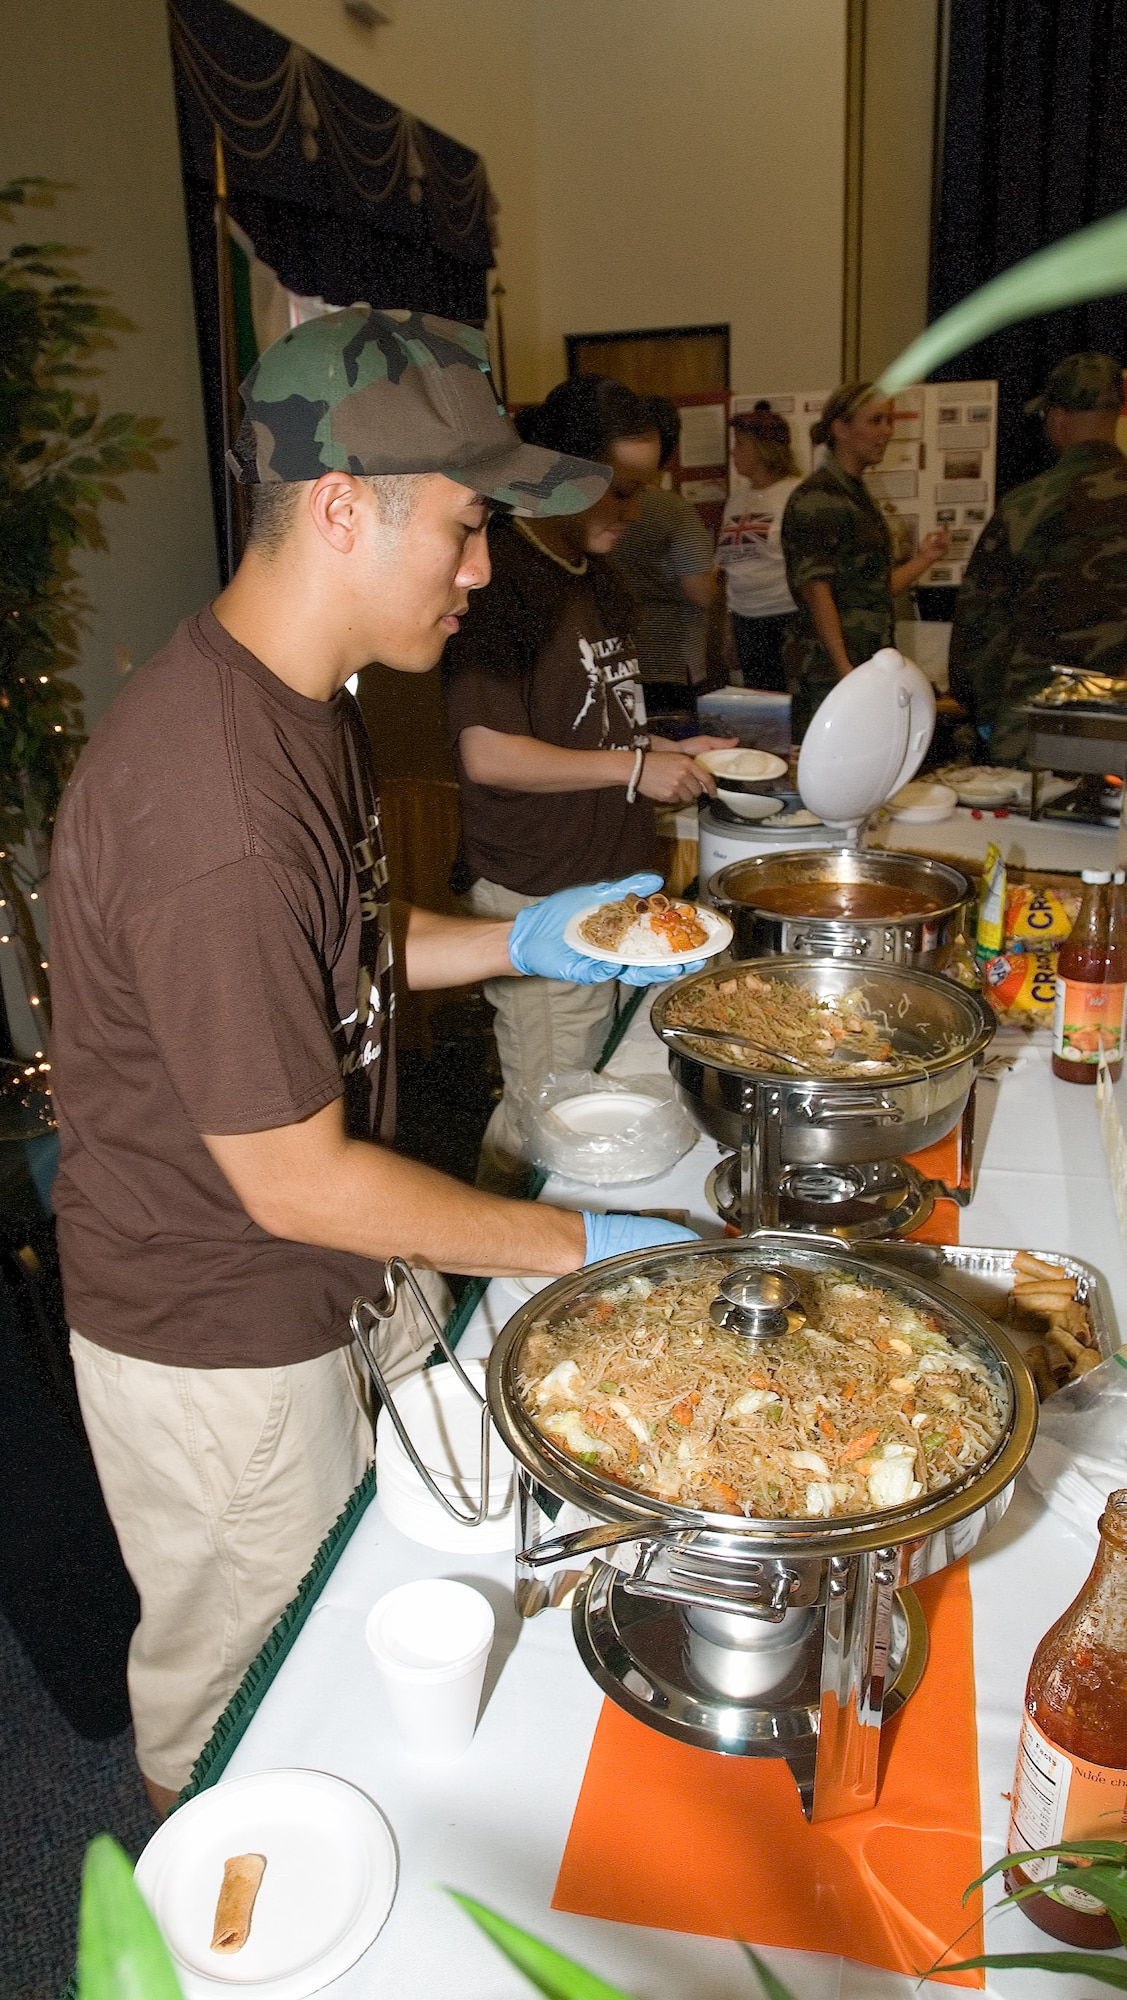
(1091, 987)
(1071, 1781)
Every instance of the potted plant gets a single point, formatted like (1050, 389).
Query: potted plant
(60, 462)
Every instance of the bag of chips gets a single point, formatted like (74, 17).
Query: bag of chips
(1021, 987)
(1037, 919)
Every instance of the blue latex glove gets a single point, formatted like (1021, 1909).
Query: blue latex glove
(610, 1235)
(536, 943)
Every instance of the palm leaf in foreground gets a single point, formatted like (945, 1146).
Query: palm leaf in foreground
(772, 1985)
(1087, 265)
(1083, 1964)
(552, 1974)
(121, 1954)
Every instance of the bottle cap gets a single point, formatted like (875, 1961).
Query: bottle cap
(1095, 875)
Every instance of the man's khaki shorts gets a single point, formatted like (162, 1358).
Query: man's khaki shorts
(222, 1483)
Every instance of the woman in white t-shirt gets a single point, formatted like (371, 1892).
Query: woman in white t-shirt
(750, 552)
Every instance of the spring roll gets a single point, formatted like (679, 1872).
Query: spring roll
(1041, 1372)
(1044, 1298)
(242, 1879)
(1082, 1362)
(1037, 1267)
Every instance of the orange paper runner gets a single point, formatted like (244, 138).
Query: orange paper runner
(688, 1840)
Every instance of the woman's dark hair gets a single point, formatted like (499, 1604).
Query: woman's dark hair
(582, 416)
(667, 423)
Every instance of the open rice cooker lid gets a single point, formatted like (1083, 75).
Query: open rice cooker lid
(606, 1499)
(868, 738)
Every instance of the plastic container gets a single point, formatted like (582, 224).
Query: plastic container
(444, 1423)
(605, 1133)
(430, 1641)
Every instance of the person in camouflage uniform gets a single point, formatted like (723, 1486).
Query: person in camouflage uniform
(839, 554)
(223, 1061)
(1047, 582)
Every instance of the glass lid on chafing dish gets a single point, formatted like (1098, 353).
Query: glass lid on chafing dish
(806, 1388)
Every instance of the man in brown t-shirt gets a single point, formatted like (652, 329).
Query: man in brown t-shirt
(222, 956)
(559, 776)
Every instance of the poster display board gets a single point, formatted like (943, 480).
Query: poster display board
(938, 470)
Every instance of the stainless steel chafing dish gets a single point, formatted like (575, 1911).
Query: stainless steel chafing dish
(812, 1132)
(937, 897)
(785, 1638)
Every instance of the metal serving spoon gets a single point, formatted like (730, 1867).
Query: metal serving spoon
(872, 1064)
(673, 1034)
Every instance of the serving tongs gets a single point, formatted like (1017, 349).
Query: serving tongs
(365, 1315)
(851, 1064)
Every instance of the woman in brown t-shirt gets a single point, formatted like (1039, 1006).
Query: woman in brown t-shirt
(558, 775)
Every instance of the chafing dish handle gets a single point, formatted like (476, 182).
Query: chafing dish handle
(364, 1312)
(834, 943)
(852, 1111)
(586, 1540)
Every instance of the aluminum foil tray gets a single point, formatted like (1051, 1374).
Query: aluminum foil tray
(984, 1278)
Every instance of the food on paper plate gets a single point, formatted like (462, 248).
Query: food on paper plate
(865, 1406)
(242, 1879)
(648, 926)
(789, 1018)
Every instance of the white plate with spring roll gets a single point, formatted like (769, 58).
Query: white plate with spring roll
(329, 1881)
(648, 930)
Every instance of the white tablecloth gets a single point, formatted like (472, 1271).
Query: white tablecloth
(495, 1823)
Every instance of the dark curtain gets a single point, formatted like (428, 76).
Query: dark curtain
(343, 194)
(1034, 147)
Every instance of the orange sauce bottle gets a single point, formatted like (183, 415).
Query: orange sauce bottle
(1071, 1781)
(1091, 987)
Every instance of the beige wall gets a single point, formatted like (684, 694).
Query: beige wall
(654, 160)
(86, 96)
(657, 162)
(898, 128)
(690, 157)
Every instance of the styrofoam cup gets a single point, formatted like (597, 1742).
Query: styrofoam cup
(430, 1641)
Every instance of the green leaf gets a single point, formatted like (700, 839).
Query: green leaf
(549, 1971)
(1090, 264)
(121, 1954)
(1084, 1964)
(1094, 1850)
(772, 1985)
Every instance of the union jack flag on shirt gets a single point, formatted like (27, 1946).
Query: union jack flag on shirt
(744, 535)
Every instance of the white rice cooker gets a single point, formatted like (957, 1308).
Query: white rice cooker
(868, 738)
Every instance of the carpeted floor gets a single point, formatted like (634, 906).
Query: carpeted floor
(56, 1792)
(56, 1789)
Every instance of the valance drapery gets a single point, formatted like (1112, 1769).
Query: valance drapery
(345, 195)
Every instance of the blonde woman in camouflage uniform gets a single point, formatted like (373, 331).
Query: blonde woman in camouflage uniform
(839, 555)
(1047, 583)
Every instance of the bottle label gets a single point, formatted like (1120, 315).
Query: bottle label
(1088, 1021)
(1058, 1797)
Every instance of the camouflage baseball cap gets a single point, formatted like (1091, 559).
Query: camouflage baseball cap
(375, 393)
(1081, 382)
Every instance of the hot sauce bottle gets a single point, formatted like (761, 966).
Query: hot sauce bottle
(1071, 1781)
(1091, 988)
